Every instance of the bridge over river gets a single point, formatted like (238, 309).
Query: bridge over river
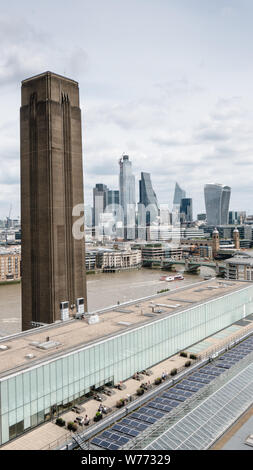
(191, 265)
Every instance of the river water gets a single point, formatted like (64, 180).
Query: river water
(104, 290)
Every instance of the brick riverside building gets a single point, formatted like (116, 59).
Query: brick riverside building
(10, 265)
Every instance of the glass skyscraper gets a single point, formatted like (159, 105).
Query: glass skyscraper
(186, 209)
(179, 194)
(148, 206)
(127, 196)
(217, 199)
(99, 202)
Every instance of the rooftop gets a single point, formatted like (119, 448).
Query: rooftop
(24, 349)
(48, 73)
(241, 259)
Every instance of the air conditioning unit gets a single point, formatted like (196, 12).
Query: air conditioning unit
(80, 305)
(29, 356)
(64, 309)
(93, 319)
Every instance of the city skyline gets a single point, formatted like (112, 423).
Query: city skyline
(197, 119)
(135, 311)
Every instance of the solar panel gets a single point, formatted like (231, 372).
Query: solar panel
(175, 396)
(159, 406)
(151, 412)
(198, 377)
(199, 380)
(237, 355)
(166, 401)
(125, 430)
(210, 371)
(134, 424)
(230, 357)
(143, 417)
(181, 392)
(105, 444)
(225, 366)
(112, 436)
(188, 386)
(193, 384)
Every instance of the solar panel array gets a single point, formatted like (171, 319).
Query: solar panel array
(138, 421)
(203, 425)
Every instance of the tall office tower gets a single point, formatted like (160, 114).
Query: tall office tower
(53, 259)
(186, 209)
(114, 208)
(112, 199)
(217, 199)
(88, 215)
(232, 217)
(225, 204)
(127, 196)
(148, 206)
(99, 202)
(179, 194)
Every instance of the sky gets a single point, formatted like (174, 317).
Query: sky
(169, 82)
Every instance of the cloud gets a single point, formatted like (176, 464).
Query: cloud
(24, 51)
(179, 87)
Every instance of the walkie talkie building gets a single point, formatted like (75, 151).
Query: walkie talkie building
(217, 199)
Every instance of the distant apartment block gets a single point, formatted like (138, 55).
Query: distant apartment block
(160, 252)
(114, 260)
(10, 262)
(110, 260)
(240, 267)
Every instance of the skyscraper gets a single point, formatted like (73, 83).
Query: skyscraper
(51, 186)
(127, 196)
(225, 204)
(217, 199)
(113, 207)
(148, 206)
(179, 194)
(186, 209)
(112, 198)
(99, 202)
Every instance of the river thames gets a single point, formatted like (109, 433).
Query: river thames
(104, 290)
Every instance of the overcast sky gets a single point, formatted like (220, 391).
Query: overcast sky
(168, 82)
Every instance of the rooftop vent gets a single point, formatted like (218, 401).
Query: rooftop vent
(29, 356)
(3, 347)
(93, 319)
(249, 440)
(48, 345)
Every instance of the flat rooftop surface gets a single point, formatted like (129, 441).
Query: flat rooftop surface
(75, 334)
